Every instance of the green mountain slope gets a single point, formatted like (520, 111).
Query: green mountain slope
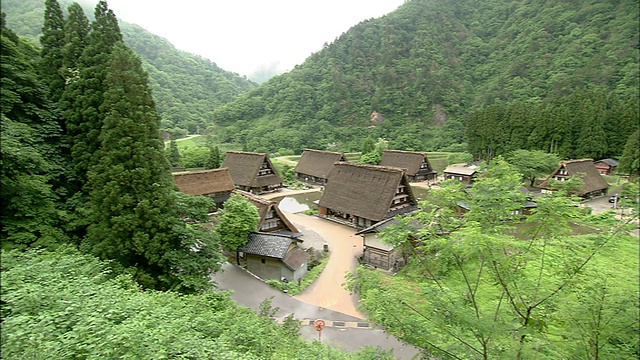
(413, 75)
(187, 88)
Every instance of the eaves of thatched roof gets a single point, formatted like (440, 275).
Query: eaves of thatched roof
(586, 170)
(363, 190)
(204, 182)
(265, 206)
(318, 163)
(244, 167)
(408, 160)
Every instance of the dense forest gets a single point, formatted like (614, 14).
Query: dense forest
(415, 75)
(187, 88)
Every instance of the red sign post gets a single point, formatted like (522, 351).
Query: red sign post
(319, 325)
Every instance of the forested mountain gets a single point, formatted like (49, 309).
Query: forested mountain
(415, 74)
(187, 88)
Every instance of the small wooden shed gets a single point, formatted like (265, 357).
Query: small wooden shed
(378, 253)
(274, 256)
(606, 166)
(462, 173)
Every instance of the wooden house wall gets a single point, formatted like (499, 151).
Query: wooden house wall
(379, 258)
(270, 269)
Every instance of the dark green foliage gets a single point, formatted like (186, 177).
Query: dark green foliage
(134, 215)
(70, 305)
(76, 31)
(428, 64)
(214, 161)
(239, 217)
(586, 124)
(630, 159)
(173, 153)
(84, 115)
(29, 152)
(52, 40)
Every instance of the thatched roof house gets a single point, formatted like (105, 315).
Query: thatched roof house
(273, 256)
(415, 164)
(252, 172)
(594, 183)
(216, 183)
(362, 195)
(314, 166)
(272, 219)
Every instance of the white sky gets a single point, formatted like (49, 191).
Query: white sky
(245, 35)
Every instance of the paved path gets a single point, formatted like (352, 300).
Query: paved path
(249, 291)
(327, 291)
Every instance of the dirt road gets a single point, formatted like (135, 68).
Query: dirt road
(327, 291)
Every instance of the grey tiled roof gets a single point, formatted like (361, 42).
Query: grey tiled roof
(267, 244)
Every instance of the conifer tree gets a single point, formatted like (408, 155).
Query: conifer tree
(134, 212)
(84, 117)
(52, 41)
(76, 31)
(174, 153)
(213, 162)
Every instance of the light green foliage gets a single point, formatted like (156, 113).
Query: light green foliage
(239, 217)
(68, 305)
(533, 164)
(371, 158)
(477, 288)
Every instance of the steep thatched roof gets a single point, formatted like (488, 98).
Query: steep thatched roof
(244, 168)
(363, 190)
(265, 206)
(408, 160)
(585, 169)
(318, 163)
(204, 182)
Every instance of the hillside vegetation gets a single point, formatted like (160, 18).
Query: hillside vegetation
(415, 74)
(186, 87)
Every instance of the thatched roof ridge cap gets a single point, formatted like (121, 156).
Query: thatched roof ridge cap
(371, 167)
(202, 171)
(246, 153)
(407, 152)
(325, 151)
(253, 197)
(575, 161)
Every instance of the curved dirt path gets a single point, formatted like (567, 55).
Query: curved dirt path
(327, 291)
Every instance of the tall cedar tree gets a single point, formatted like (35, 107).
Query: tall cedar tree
(52, 41)
(133, 205)
(27, 211)
(85, 117)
